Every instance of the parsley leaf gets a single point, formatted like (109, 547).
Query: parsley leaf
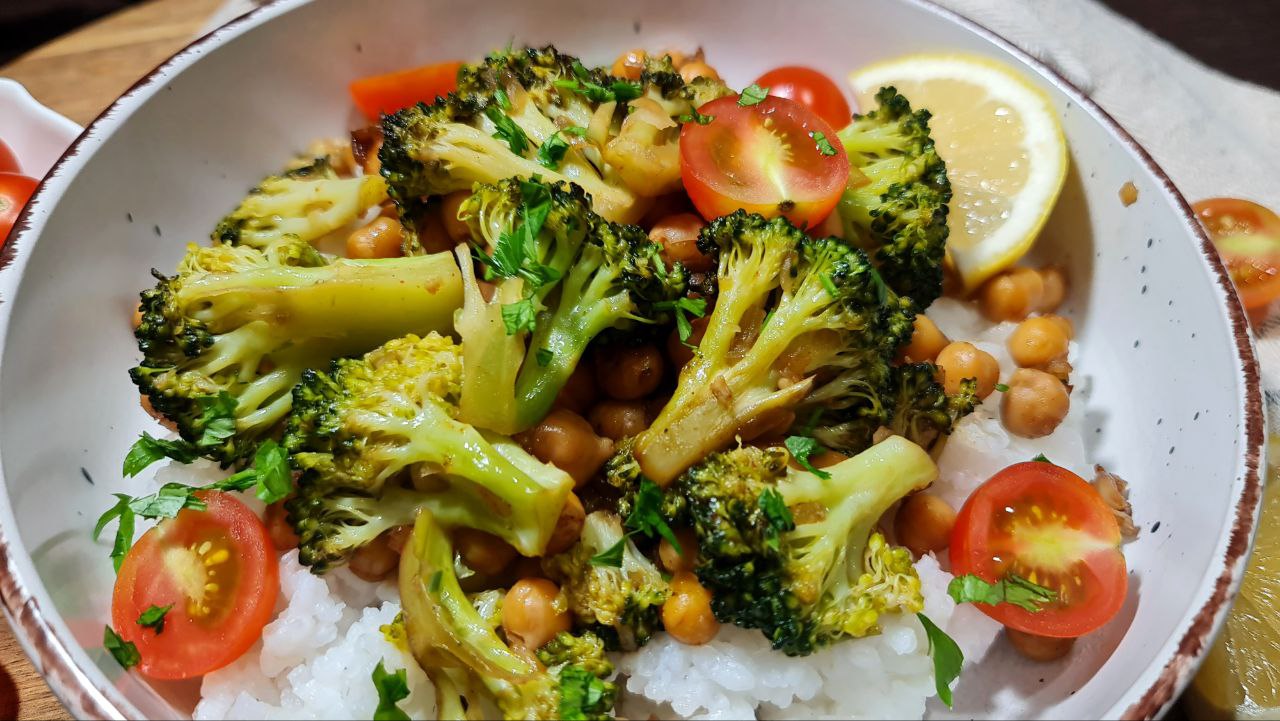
(579, 690)
(611, 556)
(752, 95)
(646, 514)
(271, 471)
(576, 131)
(153, 618)
(1011, 589)
(947, 658)
(123, 514)
(147, 450)
(801, 448)
(777, 514)
(506, 130)
(218, 419)
(824, 146)
(519, 316)
(1042, 458)
(544, 357)
(552, 152)
(620, 90)
(1002, 388)
(696, 307)
(124, 652)
(697, 117)
(392, 689)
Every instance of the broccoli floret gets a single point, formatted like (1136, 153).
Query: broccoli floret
(242, 324)
(922, 411)
(470, 663)
(359, 425)
(536, 112)
(300, 205)
(895, 207)
(794, 553)
(787, 306)
(621, 600)
(561, 269)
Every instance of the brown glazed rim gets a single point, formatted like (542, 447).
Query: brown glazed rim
(77, 691)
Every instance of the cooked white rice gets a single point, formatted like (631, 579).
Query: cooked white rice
(316, 657)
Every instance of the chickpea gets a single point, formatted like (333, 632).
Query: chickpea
(579, 392)
(618, 419)
(568, 526)
(629, 373)
(399, 536)
(677, 562)
(432, 235)
(137, 318)
(374, 561)
(1011, 295)
(565, 440)
(379, 239)
(677, 350)
(145, 402)
(526, 567)
(924, 523)
(678, 236)
(1055, 289)
(960, 360)
(457, 230)
(629, 65)
(276, 519)
(533, 612)
(1063, 324)
(687, 613)
(926, 341)
(1036, 341)
(1035, 403)
(483, 552)
(1039, 648)
(694, 69)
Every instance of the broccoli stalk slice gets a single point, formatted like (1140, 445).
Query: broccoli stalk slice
(491, 356)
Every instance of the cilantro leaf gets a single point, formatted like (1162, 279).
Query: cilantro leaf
(544, 357)
(271, 471)
(824, 146)
(646, 515)
(611, 556)
(777, 514)
(1042, 458)
(801, 449)
(1001, 387)
(752, 95)
(1011, 589)
(153, 618)
(392, 689)
(947, 658)
(697, 117)
(552, 152)
(506, 130)
(519, 316)
(580, 691)
(217, 420)
(147, 450)
(124, 652)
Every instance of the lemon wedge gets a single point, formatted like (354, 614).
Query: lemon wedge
(1002, 142)
(1240, 677)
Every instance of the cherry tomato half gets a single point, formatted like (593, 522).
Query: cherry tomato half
(763, 158)
(1247, 236)
(8, 161)
(811, 89)
(15, 191)
(378, 94)
(217, 568)
(1046, 524)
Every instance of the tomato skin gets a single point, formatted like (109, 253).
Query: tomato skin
(378, 94)
(1247, 237)
(762, 158)
(990, 541)
(15, 191)
(8, 161)
(810, 88)
(193, 644)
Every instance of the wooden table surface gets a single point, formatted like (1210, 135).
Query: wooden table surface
(79, 75)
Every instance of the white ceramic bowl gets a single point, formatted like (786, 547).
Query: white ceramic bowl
(1175, 398)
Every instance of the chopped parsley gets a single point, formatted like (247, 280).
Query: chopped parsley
(519, 316)
(1041, 458)
(1002, 388)
(752, 95)
(1011, 589)
(544, 357)
(696, 307)
(801, 449)
(777, 514)
(646, 515)
(947, 658)
(552, 152)
(392, 689)
(824, 146)
(611, 557)
(124, 652)
(694, 116)
(153, 618)
(506, 130)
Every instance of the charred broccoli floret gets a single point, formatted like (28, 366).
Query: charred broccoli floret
(895, 207)
(355, 428)
(563, 276)
(795, 554)
(242, 324)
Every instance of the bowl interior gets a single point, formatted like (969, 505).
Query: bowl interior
(1167, 394)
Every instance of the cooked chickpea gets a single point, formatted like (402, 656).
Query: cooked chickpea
(375, 560)
(379, 239)
(276, 519)
(568, 526)
(482, 552)
(1036, 341)
(565, 440)
(580, 391)
(678, 236)
(960, 360)
(694, 69)
(1039, 648)
(456, 229)
(533, 612)
(399, 536)
(151, 411)
(1055, 289)
(924, 523)
(926, 341)
(629, 373)
(618, 419)
(137, 317)
(629, 65)
(687, 613)
(1035, 403)
(676, 561)
(681, 351)
(1011, 295)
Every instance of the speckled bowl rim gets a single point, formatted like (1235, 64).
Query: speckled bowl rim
(77, 690)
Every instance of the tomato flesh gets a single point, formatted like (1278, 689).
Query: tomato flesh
(762, 158)
(1047, 525)
(810, 88)
(378, 94)
(217, 569)
(1247, 236)
(15, 191)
